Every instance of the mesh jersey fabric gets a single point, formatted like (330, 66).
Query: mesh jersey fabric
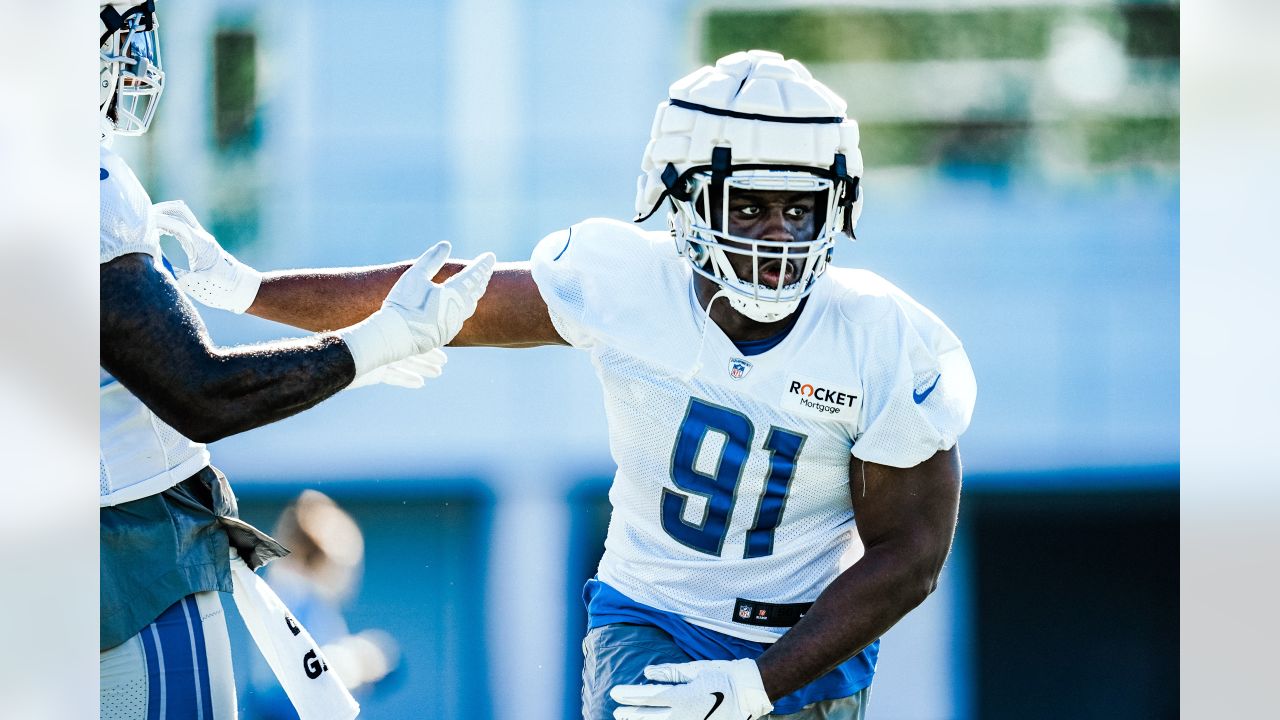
(138, 453)
(733, 472)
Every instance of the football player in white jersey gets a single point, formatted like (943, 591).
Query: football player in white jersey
(168, 520)
(785, 431)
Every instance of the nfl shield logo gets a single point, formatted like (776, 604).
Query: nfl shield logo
(738, 368)
(744, 611)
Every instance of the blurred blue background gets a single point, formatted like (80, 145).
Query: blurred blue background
(1022, 182)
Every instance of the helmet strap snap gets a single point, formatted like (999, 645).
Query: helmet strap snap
(112, 20)
(675, 187)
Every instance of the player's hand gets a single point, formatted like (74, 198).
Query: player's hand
(704, 690)
(419, 315)
(412, 372)
(435, 313)
(213, 276)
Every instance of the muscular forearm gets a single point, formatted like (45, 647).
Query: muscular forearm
(858, 607)
(253, 386)
(323, 300)
(154, 343)
(510, 314)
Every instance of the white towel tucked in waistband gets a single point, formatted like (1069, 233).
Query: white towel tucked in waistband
(317, 692)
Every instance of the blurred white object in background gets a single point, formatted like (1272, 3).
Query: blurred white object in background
(1086, 62)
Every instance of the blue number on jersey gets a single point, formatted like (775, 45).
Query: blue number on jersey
(784, 447)
(720, 488)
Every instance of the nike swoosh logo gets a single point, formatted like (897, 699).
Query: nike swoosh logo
(719, 699)
(920, 396)
(567, 240)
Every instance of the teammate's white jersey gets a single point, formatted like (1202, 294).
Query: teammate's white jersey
(733, 470)
(138, 454)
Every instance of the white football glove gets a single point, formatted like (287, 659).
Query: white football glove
(213, 276)
(412, 372)
(707, 690)
(418, 316)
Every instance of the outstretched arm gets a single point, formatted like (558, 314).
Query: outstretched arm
(511, 313)
(906, 518)
(153, 342)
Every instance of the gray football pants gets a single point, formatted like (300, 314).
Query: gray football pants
(617, 655)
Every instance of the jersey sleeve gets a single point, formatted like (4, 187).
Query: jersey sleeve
(585, 274)
(124, 214)
(919, 387)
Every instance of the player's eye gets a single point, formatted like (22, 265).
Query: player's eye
(748, 210)
(798, 211)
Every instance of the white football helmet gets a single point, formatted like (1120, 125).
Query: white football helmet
(131, 78)
(755, 121)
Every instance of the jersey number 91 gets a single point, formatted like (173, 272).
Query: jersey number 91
(720, 488)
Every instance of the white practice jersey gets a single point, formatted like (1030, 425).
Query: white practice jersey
(733, 470)
(139, 455)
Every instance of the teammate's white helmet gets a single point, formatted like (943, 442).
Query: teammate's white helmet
(131, 78)
(761, 122)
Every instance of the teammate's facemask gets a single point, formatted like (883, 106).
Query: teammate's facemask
(754, 122)
(131, 79)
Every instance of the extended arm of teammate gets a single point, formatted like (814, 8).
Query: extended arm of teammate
(512, 313)
(906, 518)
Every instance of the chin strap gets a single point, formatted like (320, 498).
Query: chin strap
(702, 339)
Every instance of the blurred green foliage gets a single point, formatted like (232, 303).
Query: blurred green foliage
(1105, 141)
(1151, 30)
(235, 87)
(236, 213)
(1132, 139)
(939, 143)
(860, 34)
(853, 34)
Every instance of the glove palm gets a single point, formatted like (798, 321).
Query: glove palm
(213, 276)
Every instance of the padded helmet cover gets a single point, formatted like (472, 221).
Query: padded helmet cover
(766, 109)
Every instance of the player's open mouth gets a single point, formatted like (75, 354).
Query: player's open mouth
(769, 272)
